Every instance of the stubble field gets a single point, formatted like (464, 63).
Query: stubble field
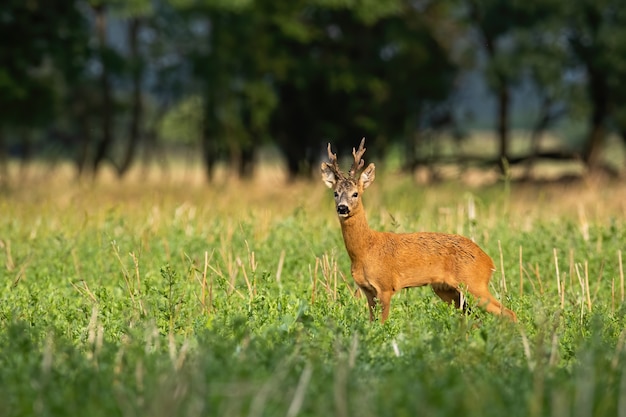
(167, 297)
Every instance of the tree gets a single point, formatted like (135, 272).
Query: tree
(495, 22)
(138, 12)
(43, 46)
(353, 71)
(225, 44)
(116, 66)
(544, 59)
(597, 38)
(303, 72)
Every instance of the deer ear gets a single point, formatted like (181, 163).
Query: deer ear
(367, 176)
(328, 176)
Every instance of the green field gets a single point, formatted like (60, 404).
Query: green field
(163, 297)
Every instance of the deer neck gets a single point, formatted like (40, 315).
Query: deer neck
(356, 234)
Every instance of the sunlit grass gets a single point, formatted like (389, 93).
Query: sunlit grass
(161, 295)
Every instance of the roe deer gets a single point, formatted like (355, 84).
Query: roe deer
(384, 263)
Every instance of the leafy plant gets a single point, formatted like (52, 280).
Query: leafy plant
(245, 306)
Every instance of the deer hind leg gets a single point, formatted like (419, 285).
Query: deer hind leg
(448, 294)
(487, 301)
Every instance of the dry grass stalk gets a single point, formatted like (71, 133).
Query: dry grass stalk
(599, 281)
(298, 396)
(521, 273)
(125, 273)
(279, 269)
(529, 277)
(231, 287)
(556, 266)
(85, 290)
(95, 335)
(619, 347)
(587, 292)
(245, 277)
(563, 295)
(503, 277)
(233, 270)
(538, 276)
(253, 266)
(313, 275)
(559, 282)
(584, 289)
(330, 272)
(613, 296)
(6, 245)
(584, 224)
(138, 278)
(206, 287)
(621, 275)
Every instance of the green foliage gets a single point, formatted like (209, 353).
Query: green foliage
(236, 75)
(143, 305)
(41, 44)
(183, 123)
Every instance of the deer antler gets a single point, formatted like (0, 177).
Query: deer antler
(334, 165)
(358, 161)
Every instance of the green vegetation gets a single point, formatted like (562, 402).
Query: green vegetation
(172, 299)
(109, 83)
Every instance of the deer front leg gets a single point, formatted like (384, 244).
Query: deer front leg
(371, 301)
(384, 297)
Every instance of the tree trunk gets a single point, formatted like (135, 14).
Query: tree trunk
(547, 116)
(209, 151)
(593, 147)
(295, 157)
(211, 82)
(501, 89)
(595, 139)
(83, 143)
(26, 153)
(208, 156)
(103, 145)
(504, 100)
(136, 104)
(246, 165)
(411, 144)
(4, 163)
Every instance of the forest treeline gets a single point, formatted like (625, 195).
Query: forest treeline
(105, 81)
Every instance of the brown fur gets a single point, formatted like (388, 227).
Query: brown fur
(384, 263)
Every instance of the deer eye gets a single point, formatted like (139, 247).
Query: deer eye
(336, 194)
(355, 195)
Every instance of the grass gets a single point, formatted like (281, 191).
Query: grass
(167, 297)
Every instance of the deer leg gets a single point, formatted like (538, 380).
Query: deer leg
(449, 295)
(487, 301)
(371, 301)
(385, 301)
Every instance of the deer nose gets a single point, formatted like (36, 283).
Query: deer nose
(342, 209)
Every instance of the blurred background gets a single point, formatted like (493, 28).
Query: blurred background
(119, 84)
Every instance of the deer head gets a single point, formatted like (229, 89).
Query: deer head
(347, 188)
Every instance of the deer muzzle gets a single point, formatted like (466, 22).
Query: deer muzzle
(343, 210)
